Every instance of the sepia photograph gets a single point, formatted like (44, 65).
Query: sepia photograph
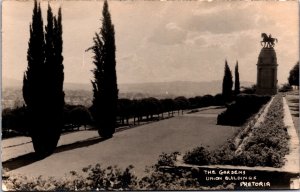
(149, 95)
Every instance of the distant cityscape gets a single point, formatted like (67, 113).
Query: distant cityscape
(81, 94)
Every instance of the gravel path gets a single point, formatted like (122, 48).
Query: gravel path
(292, 99)
(139, 146)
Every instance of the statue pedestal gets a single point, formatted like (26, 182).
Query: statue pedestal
(267, 72)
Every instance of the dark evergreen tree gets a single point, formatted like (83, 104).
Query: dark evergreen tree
(58, 65)
(236, 79)
(227, 83)
(54, 77)
(105, 89)
(35, 58)
(42, 84)
(33, 79)
(294, 76)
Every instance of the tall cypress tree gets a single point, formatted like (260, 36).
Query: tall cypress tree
(227, 83)
(54, 77)
(33, 79)
(35, 58)
(44, 76)
(105, 88)
(236, 79)
(58, 64)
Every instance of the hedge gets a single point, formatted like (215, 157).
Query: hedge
(241, 109)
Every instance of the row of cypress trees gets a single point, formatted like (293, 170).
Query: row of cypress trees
(43, 80)
(227, 92)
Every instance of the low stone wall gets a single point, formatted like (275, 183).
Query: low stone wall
(292, 159)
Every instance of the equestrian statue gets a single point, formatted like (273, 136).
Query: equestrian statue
(268, 41)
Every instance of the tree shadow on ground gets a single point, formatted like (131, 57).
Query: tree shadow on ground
(30, 158)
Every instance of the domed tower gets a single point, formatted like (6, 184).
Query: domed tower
(267, 67)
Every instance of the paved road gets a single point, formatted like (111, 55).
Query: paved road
(139, 146)
(293, 103)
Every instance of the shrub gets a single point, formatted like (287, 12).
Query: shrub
(111, 178)
(167, 159)
(198, 156)
(224, 155)
(249, 90)
(219, 99)
(80, 115)
(76, 116)
(169, 179)
(207, 100)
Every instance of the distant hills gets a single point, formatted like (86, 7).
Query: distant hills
(176, 88)
(13, 83)
(155, 89)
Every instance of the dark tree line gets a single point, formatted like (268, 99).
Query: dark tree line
(13, 120)
(149, 109)
(294, 76)
(43, 81)
(76, 116)
(128, 112)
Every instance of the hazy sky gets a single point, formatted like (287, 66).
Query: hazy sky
(161, 41)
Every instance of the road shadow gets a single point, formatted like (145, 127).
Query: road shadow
(30, 158)
(80, 144)
(10, 146)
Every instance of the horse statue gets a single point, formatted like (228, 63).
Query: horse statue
(268, 41)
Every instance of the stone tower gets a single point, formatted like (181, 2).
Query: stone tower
(267, 69)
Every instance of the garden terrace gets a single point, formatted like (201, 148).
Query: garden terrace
(265, 144)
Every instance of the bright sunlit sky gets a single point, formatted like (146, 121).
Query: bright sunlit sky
(161, 41)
